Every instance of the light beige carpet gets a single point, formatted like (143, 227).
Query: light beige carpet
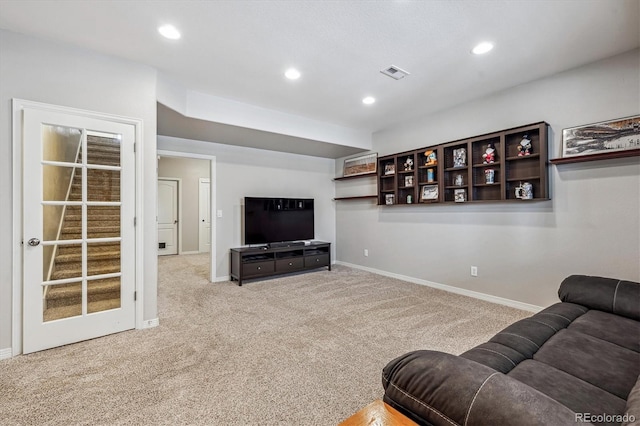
(303, 349)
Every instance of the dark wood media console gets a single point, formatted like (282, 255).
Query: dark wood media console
(258, 262)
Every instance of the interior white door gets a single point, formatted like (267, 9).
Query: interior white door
(204, 215)
(167, 216)
(78, 228)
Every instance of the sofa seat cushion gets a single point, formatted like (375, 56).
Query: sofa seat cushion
(601, 363)
(574, 393)
(622, 331)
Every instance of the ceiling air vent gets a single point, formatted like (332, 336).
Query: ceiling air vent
(394, 72)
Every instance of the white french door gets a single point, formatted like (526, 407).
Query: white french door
(78, 228)
(204, 215)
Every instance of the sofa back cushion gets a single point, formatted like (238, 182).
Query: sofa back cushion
(604, 294)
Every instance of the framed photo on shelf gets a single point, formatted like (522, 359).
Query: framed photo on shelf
(599, 138)
(459, 157)
(389, 199)
(408, 180)
(429, 193)
(360, 165)
(459, 195)
(389, 169)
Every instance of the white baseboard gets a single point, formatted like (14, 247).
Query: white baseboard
(6, 353)
(150, 323)
(451, 289)
(192, 252)
(222, 279)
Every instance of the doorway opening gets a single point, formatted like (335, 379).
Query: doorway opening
(186, 198)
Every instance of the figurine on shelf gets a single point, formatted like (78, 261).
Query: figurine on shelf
(489, 155)
(408, 165)
(431, 159)
(525, 146)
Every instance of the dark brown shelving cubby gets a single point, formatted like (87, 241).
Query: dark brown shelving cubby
(477, 177)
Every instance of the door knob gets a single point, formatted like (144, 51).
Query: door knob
(33, 242)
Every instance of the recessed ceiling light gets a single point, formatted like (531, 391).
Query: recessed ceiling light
(482, 48)
(368, 100)
(169, 31)
(292, 74)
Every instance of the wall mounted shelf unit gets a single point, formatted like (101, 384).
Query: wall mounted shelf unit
(356, 197)
(462, 173)
(596, 157)
(355, 176)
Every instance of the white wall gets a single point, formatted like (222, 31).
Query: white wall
(42, 71)
(190, 170)
(523, 251)
(244, 172)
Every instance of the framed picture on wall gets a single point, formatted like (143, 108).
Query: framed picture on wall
(621, 134)
(360, 165)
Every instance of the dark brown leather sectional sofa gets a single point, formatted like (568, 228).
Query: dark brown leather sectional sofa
(574, 362)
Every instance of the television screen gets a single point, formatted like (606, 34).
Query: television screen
(270, 220)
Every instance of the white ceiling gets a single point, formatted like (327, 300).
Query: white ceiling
(240, 49)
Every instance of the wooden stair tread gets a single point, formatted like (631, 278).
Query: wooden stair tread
(76, 257)
(62, 273)
(60, 312)
(72, 249)
(76, 228)
(111, 222)
(62, 291)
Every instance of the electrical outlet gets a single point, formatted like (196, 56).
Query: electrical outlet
(366, 253)
(219, 213)
(474, 271)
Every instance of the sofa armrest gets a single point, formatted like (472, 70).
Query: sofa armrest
(436, 388)
(618, 297)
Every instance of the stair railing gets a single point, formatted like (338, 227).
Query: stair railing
(60, 225)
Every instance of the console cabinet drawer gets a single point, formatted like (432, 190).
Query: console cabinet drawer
(316, 260)
(257, 268)
(290, 264)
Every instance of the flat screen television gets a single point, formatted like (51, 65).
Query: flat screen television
(270, 220)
